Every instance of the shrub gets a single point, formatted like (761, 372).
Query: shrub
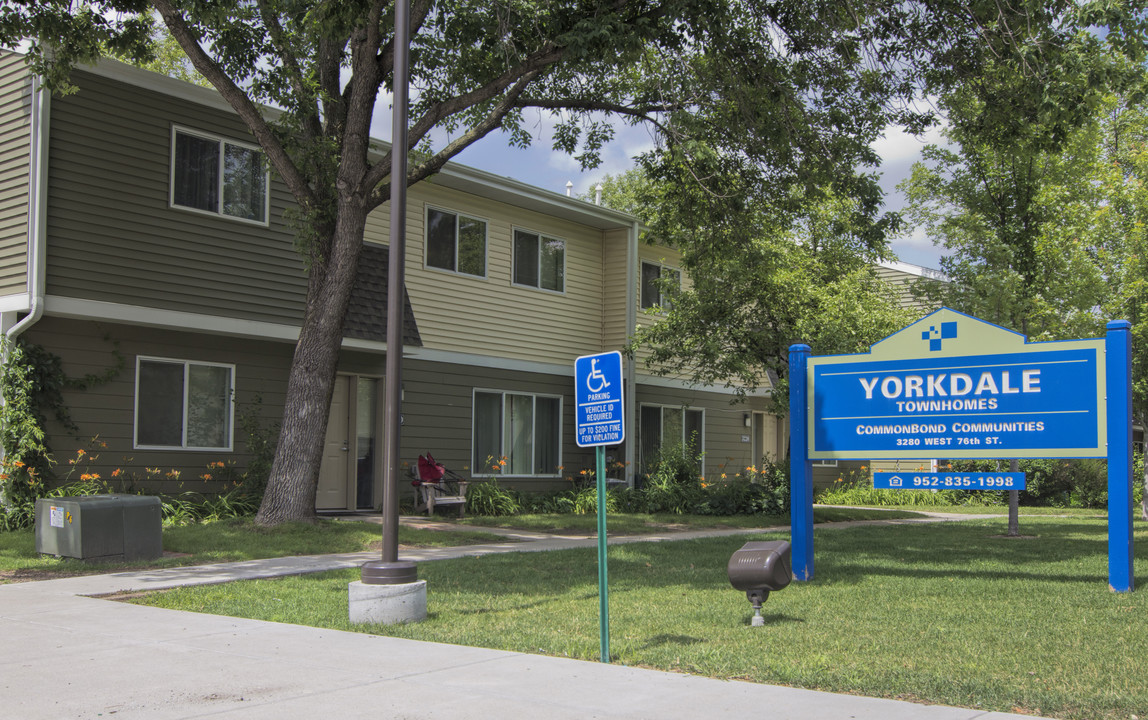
(487, 497)
(674, 485)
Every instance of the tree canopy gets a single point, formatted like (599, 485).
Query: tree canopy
(773, 104)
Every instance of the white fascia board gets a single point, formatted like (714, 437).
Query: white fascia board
(681, 384)
(82, 309)
(19, 302)
(488, 361)
(79, 309)
(910, 269)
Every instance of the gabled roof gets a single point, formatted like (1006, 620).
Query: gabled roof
(367, 312)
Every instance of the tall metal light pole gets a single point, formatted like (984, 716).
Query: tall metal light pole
(388, 570)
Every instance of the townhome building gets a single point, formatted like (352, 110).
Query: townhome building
(145, 244)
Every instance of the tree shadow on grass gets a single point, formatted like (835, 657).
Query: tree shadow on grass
(669, 639)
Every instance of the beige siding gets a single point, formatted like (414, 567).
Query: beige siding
(659, 255)
(112, 235)
(614, 254)
(492, 316)
(15, 154)
(902, 279)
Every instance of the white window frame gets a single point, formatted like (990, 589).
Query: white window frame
(824, 463)
(183, 446)
(485, 242)
(662, 429)
(223, 142)
(663, 299)
(477, 462)
(537, 259)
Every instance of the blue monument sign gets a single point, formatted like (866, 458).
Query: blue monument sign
(954, 386)
(598, 414)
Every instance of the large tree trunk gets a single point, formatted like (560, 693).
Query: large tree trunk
(294, 477)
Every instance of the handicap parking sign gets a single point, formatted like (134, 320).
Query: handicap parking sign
(598, 411)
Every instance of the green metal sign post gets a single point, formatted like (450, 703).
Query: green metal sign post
(598, 422)
(603, 586)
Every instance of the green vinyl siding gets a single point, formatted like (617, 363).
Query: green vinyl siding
(113, 236)
(15, 156)
(105, 411)
(728, 447)
(438, 412)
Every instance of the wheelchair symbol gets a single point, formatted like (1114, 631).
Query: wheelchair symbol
(596, 381)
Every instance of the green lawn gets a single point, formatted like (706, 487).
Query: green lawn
(227, 541)
(942, 613)
(240, 539)
(640, 524)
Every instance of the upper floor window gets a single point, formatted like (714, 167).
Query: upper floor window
(219, 176)
(657, 283)
(456, 242)
(539, 261)
(183, 405)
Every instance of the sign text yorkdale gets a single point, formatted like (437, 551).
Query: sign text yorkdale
(927, 391)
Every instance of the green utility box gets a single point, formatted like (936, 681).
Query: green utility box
(100, 527)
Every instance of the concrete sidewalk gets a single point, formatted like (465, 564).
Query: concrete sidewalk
(67, 655)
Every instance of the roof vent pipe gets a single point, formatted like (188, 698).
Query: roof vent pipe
(598, 194)
(569, 187)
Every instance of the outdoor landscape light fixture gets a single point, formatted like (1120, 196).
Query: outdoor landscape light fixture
(759, 568)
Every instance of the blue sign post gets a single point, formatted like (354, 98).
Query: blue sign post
(953, 386)
(598, 422)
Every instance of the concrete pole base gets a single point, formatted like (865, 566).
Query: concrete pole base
(387, 604)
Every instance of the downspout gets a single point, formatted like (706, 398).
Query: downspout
(37, 209)
(630, 372)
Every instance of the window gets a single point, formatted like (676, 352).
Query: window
(218, 176)
(456, 242)
(539, 261)
(183, 405)
(666, 426)
(521, 430)
(658, 282)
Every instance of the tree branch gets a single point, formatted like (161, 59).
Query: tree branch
(238, 99)
(641, 112)
(418, 13)
(425, 169)
(435, 113)
(312, 127)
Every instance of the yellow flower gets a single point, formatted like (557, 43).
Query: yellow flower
(80, 452)
(502, 463)
(206, 476)
(90, 476)
(117, 472)
(723, 476)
